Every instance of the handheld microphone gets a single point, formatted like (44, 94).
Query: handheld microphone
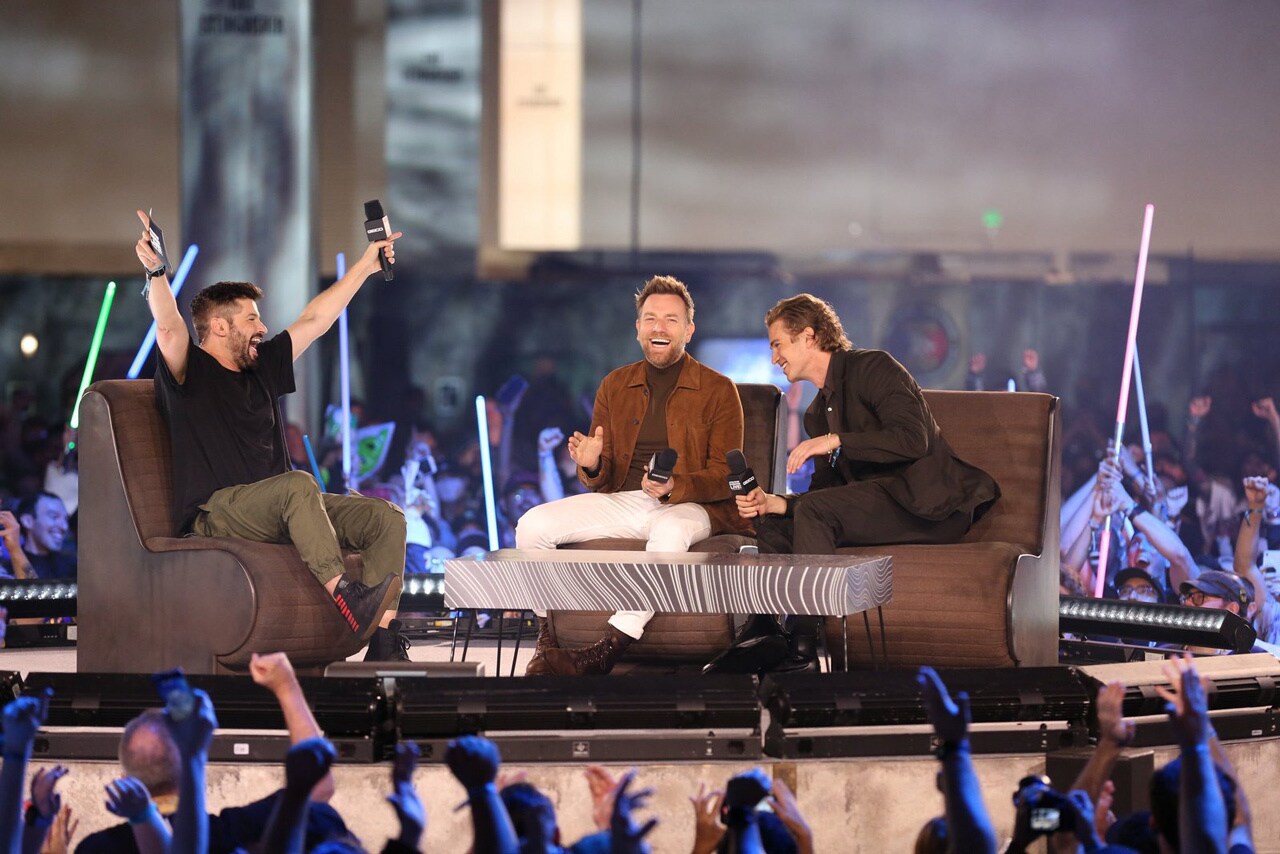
(376, 227)
(661, 465)
(741, 478)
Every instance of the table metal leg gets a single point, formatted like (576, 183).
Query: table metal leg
(884, 643)
(466, 642)
(519, 637)
(871, 645)
(497, 667)
(453, 647)
(844, 635)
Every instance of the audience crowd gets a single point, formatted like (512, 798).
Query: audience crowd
(1197, 802)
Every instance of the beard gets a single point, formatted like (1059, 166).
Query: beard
(662, 357)
(244, 349)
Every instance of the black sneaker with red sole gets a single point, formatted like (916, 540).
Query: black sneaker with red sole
(362, 606)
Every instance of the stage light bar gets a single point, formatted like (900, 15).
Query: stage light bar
(38, 598)
(1174, 624)
(423, 586)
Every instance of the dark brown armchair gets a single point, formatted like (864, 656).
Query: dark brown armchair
(149, 599)
(992, 599)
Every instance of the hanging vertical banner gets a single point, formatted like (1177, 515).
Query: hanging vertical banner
(247, 161)
(433, 130)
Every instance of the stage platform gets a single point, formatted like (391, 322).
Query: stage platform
(873, 798)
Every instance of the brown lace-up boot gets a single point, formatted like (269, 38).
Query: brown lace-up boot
(599, 658)
(537, 665)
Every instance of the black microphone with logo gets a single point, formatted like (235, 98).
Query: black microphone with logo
(741, 478)
(377, 227)
(662, 464)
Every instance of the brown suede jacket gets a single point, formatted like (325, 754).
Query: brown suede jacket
(704, 422)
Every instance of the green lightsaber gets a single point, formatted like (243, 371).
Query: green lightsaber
(93, 350)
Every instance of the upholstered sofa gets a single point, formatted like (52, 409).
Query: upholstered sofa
(989, 601)
(151, 600)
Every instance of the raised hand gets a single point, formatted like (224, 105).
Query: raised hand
(369, 260)
(150, 260)
(586, 450)
(22, 720)
(977, 363)
(624, 836)
(1081, 818)
(10, 530)
(1198, 407)
(1110, 710)
(1255, 492)
(1186, 702)
(787, 809)
(307, 762)
(950, 719)
(707, 829)
(128, 798)
(404, 797)
(747, 789)
(1265, 408)
(473, 760)
(549, 439)
(272, 671)
(1030, 359)
(603, 785)
(193, 733)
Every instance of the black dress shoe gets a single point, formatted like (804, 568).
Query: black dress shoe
(753, 655)
(802, 645)
(758, 626)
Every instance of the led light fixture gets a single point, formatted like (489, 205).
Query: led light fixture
(1174, 624)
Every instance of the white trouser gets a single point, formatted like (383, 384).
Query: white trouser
(629, 515)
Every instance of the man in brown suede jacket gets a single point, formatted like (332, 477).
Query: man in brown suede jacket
(668, 400)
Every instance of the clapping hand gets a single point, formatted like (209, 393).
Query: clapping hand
(44, 793)
(128, 798)
(586, 450)
(708, 831)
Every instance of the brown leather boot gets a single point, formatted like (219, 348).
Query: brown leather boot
(537, 665)
(599, 658)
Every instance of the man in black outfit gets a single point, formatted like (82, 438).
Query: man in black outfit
(883, 473)
(231, 471)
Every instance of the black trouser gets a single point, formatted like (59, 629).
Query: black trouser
(856, 514)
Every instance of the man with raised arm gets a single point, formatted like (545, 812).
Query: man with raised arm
(667, 400)
(220, 395)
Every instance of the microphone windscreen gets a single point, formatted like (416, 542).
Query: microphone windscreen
(667, 459)
(373, 210)
(737, 462)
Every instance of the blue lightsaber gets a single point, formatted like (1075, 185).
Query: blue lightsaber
(179, 279)
(486, 468)
(311, 455)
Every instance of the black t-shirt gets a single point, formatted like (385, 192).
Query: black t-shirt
(53, 565)
(234, 827)
(224, 426)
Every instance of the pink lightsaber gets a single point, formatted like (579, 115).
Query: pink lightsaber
(1131, 343)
